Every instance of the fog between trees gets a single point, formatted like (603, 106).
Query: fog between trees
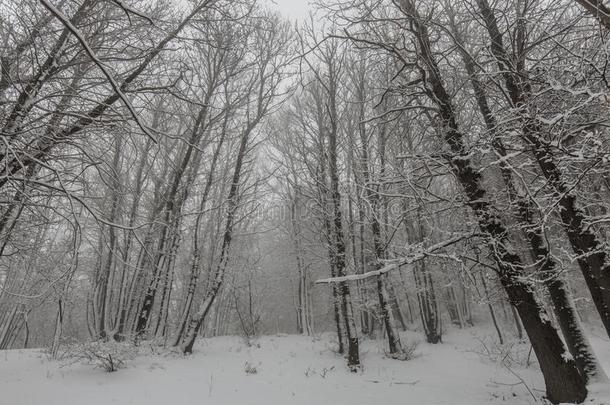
(170, 171)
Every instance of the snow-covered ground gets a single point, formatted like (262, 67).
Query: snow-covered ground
(289, 370)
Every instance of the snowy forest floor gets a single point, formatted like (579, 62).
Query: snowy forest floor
(287, 369)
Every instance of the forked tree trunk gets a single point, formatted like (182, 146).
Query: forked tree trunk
(124, 302)
(197, 249)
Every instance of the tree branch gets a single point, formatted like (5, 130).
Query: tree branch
(66, 22)
(412, 258)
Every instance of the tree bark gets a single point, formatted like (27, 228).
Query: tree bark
(573, 333)
(563, 381)
(591, 256)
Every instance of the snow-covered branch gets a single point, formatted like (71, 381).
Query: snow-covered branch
(397, 263)
(115, 86)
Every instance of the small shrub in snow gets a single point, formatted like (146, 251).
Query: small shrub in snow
(250, 368)
(109, 356)
(322, 373)
(408, 352)
(250, 341)
(509, 354)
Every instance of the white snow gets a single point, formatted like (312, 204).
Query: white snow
(288, 370)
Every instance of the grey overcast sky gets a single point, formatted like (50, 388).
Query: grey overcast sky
(293, 9)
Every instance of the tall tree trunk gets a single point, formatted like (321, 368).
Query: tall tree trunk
(567, 317)
(563, 381)
(171, 209)
(353, 354)
(591, 256)
(302, 303)
(197, 321)
(385, 308)
(323, 191)
(427, 303)
(104, 284)
(197, 249)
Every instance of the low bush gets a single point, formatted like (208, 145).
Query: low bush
(109, 356)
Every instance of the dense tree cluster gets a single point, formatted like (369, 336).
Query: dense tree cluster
(171, 170)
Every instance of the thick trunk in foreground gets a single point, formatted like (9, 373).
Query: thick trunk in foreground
(567, 317)
(563, 381)
(572, 330)
(591, 256)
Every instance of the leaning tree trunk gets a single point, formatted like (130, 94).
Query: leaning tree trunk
(567, 317)
(171, 209)
(353, 354)
(592, 258)
(197, 249)
(563, 381)
(197, 321)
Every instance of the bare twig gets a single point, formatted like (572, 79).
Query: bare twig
(66, 22)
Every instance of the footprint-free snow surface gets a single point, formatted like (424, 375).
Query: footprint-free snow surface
(285, 369)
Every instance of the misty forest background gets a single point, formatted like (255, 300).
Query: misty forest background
(170, 170)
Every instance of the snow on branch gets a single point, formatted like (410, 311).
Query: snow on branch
(397, 263)
(128, 11)
(66, 22)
